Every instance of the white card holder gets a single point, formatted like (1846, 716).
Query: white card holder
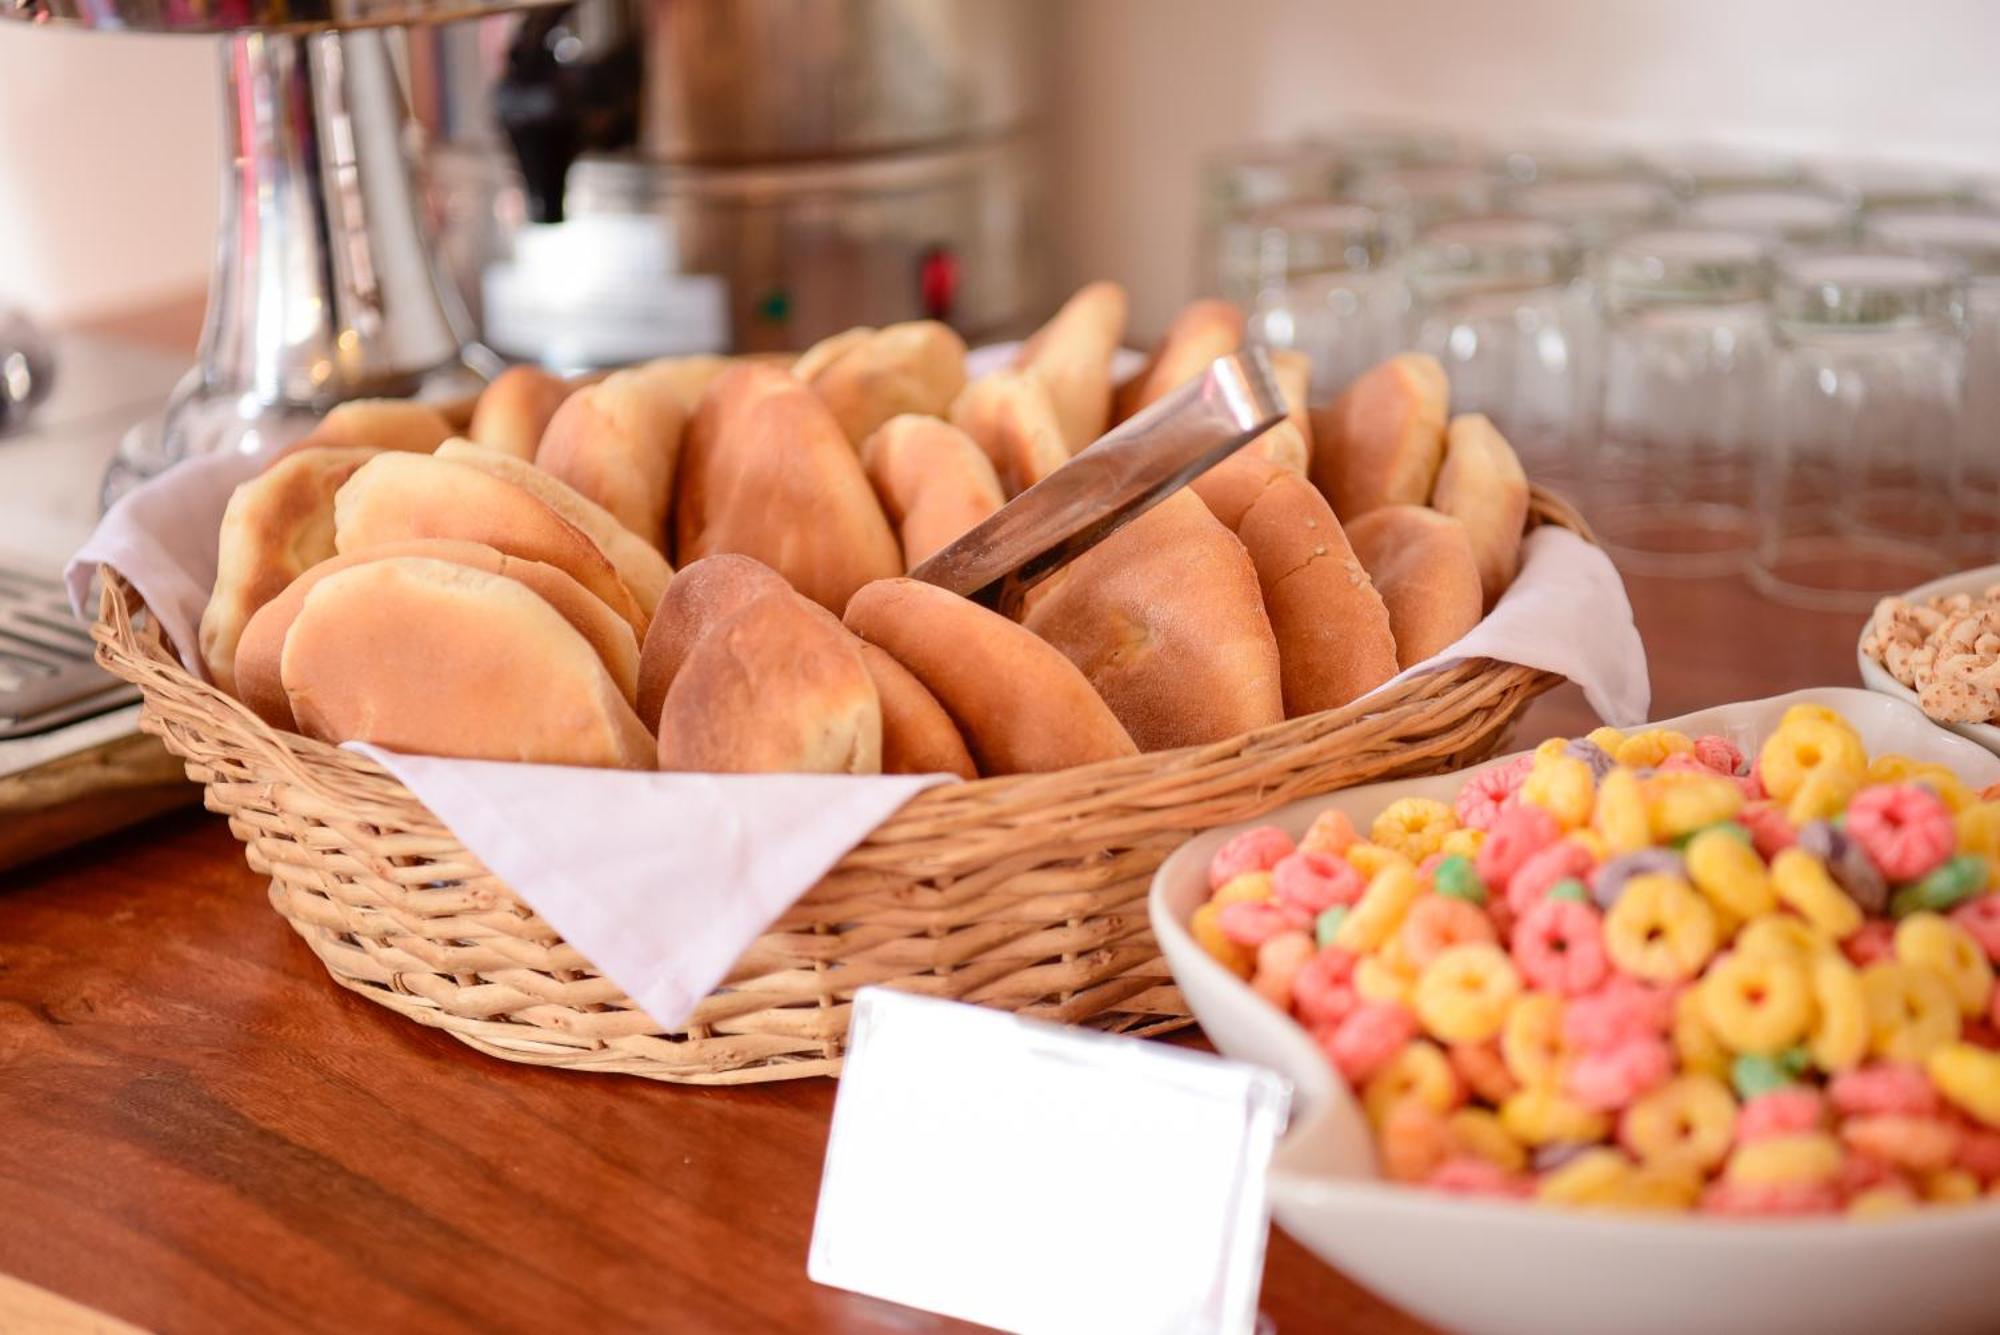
(1045, 1180)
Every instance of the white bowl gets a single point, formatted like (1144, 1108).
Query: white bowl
(1876, 677)
(1514, 1268)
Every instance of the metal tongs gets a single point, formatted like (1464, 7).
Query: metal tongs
(1116, 479)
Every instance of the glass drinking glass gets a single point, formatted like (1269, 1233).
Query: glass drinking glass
(1685, 363)
(1373, 145)
(1870, 186)
(1857, 485)
(1799, 216)
(1497, 302)
(27, 367)
(1254, 176)
(1695, 169)
(1413, 199)
(1561, 159)
(1971, 240)
(1312, 277)
(1597, 211)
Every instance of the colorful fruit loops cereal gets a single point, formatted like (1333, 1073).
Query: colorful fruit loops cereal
(1642, 973)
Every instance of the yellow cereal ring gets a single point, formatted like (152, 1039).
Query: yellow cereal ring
(1379, 912)
(1660, 929)
(1951, 1186)
(1730, 873)
(1681, 803)
(1549, 748)
(1596, 1179)
(1375, 979)
(1911, 1012)
(1250, 887)
(1815, 713)
(1531, 1042)
(1805, 1157)
(1804, 745)
(1564, 787)
(1978, 828)
(1413, 826)
(1801, 881)
(1620, 816)
(1782, 936)
(1370, 859)
(1606, 739)
(1419, 1071)
(1543, 1115)
(1757, 1004)
(1465, 993)
(1587, 840)
(1969, 1077)
(1207, 932)
(1644, 750)
(1463, 840)
(1479, 1132)
(1840, 1033)
(1824, 794)
(1931, 941)
(1951, 790)
(1659, 1186)
(1884, 1202)
(1695, 1043)
(1688, 1122)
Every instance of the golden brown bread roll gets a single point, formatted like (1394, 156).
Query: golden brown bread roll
(918, 737)
(1203, 331)
(260, 686)
(396, 497)
(1381, 441)
(1283, 446)
(1072, 355)
(514, 409)
(1334, 641)
(1164, 618)
(915, 367)
(686, 378)
(1422, 565)
(383, 424)
(639, 563)
(702, 594)
(933, 481)
(1293, 372)
(1011, 418)
(276, 524)
(1019, 704)
(777, 686)
(439, 659)
(766, 472)
(616, 443)
(1481, 485)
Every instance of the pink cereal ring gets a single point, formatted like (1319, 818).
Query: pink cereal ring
(1981, 920)
(1539, 874)
(1370, 1035)
(1434, 924)
(1259, 849)
(1609, 1078)
(1746, 1199)
(1622, 1010)
(1719, 754)
(1882, 1088)
(1316, 882)
(1979, 1152)
(1470, 1175)
(1252, 923)
(1859, 1172)
(1914, 1144)
(1516, 835)
(1323, 988)
(1490, 792)
(1872, 944)
(1413, 1142)
(1770, 833)
(1483, 1070)
(1903, 827)
(1782, 1112)
(1683, 762)
(1558, 945)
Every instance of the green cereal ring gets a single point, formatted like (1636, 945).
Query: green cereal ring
(1456, 878)
(1753, 1073)
(1571, 889)
(1948, 886)
(1327, 924)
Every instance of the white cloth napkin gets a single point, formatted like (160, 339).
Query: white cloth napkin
(663, 880)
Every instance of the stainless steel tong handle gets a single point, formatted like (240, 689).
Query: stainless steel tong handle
(1110, 483)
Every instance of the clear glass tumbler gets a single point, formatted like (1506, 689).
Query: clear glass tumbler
(1241, 180)
(1703, 168)
(1798, 216)
(1971, 240)
(1313, 277)
(1413, 199)
(1858, 483)
(1497, 301)
(1598, 211)
(1685, 363)
(1876, 185)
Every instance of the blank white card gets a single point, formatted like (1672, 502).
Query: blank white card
(1044, 1180)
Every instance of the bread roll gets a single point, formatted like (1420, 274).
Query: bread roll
(766, 472)
(1164, 618)
(918, 737)
(915, 367)
(383, 424)
(1422, 565)
(640, 564)
(1203, 331)
(1283, 446)
(777, 686)
(703, 594)
(1010, 416)
(1334, 641)
(276, 524)
(1072, 355)
(396, 497)
(1381, 441)
(933, 482)
(1293, 372)
(686, 378)
(514, 409)
(1019, 704)
(1481, 485)
(440, 659)
(260, 686)
(616, 442)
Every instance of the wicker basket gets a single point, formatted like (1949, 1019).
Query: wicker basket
(1027, 893)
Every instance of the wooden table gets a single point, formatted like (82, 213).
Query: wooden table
(198, 1131)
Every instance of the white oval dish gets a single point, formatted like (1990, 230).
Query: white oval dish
(1514, 1268)
(1876, 677)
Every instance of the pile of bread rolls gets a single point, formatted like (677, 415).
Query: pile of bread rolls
(508, 594)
